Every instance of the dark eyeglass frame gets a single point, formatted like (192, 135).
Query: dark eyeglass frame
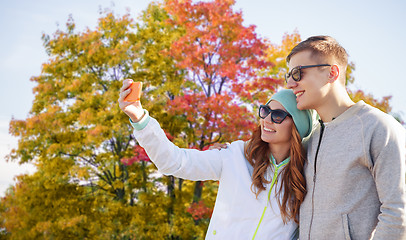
(299, 69)
(274, 118)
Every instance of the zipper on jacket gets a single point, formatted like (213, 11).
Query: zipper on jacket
(273, 183)
(315, 174)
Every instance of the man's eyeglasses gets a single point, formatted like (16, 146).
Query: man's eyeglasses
(296, 72)
(277, 115)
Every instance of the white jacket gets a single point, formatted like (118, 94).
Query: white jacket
(237, 211)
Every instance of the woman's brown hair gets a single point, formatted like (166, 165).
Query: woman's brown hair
(293, 184)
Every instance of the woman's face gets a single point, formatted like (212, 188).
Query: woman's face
(273, 133)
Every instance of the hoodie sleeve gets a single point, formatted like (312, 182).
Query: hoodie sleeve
(388, 155)
(188, 164)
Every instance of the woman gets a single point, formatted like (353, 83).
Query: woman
(261, 183)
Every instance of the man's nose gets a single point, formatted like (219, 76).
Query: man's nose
(290, 83)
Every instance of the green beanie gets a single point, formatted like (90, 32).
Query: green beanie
(301, 118)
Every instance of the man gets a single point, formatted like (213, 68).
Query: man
(355, 173)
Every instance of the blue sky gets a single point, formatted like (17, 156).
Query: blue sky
(372, 32)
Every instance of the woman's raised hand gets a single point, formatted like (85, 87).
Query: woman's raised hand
(133, 109)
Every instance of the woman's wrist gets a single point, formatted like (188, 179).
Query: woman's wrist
(137, 116)
(142, 123)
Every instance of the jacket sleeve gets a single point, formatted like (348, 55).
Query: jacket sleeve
(188, 164)
(388, 154)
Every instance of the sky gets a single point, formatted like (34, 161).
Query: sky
(372, 32)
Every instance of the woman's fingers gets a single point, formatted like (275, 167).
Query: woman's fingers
(218, 146)
(125, 89)
(124, 94)
(126, 84)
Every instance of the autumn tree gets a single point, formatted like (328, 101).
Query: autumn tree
(27, 216)
(77, 136)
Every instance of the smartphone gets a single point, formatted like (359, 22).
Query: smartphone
(135, 94)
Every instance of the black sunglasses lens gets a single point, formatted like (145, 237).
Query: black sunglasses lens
(296, 74)
(264, 111)
(278, 116)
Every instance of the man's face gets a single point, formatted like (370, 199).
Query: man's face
(312, 87)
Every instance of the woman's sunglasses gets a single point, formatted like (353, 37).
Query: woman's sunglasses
(296, 72)
(277, 115)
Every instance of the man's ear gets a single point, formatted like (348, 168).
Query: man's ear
(334, 73)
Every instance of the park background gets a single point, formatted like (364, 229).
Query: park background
(371, 31)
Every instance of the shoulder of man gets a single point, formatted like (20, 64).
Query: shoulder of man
(379, 119)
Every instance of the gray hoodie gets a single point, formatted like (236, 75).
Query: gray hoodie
(355, 178)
